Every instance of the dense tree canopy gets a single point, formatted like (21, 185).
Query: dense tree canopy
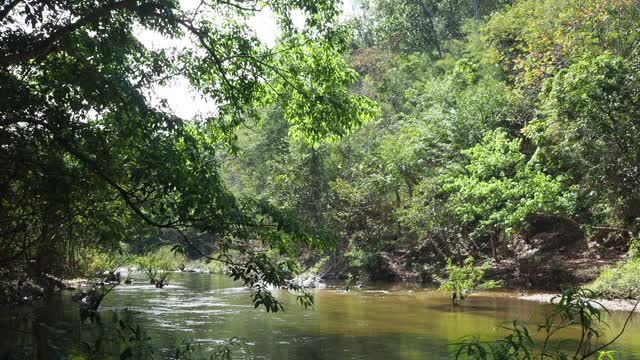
(494, 115)
(91, 157)
(433, 129)
(411, 139)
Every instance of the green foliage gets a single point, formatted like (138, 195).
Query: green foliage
(590, 129)
(621, 281)
(500, 189)
(119, 337)
(485, 116)
(216, 267)
(574, 308)
(421, 26)
(97, 263)
(94, 262)
(361, 262)
(537, 38)
(316, 99)
(634, 248)
(94, 157)
(460, 122)
(491, 116)
(199, 265)
(159, 264)
(464, 280)
(606, 355)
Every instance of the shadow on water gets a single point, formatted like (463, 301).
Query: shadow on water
(381, 322)
(461, 308)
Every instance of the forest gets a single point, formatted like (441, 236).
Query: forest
(464, 146)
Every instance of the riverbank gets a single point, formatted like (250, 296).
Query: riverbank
(611, 305)
(524, 267)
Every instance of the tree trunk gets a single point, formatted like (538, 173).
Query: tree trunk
(476, 9)
(429, 17)
(494, 247)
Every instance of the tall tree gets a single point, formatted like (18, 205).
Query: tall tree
(89, 156)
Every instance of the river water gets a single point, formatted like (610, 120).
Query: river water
(386, 321)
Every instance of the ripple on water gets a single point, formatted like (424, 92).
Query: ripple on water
(173, 311)
(367, 323)
(147, 288)
(209, 312)
(165, 324)
(231, 290)
(195, 322)
(190, 302)
(210, 341)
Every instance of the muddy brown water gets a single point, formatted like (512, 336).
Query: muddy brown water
(383, 321)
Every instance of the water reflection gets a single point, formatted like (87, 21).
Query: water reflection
(382, 322)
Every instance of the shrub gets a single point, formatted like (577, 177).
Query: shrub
(620, 282)
(159, 264)
(99, 262)
(363, 263)
(180, 260)
(217, 267)
(464, 280)
(196, 265)
(634, 248)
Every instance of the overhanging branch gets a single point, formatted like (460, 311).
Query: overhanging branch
(47, 45)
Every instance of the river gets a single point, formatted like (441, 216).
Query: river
(385, 321)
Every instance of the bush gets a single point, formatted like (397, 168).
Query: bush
(98, 262)
(464, 280)
(365, 264)
(159, 264)
(357, 260)
(196, 266)
(634, 248)
(204, 266)
(95, 262)
(217, 267)
(619, 282)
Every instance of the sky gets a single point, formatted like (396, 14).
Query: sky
(184, 102)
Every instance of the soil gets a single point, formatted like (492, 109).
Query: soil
(522, 268)
(556, 269)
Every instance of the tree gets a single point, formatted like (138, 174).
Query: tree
(500, 189)
(589, 128)
(445, 117)
(464, 280)
(535, 39)
(89, 157)
(427, 26)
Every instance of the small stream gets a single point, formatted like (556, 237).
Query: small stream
(383, 321)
